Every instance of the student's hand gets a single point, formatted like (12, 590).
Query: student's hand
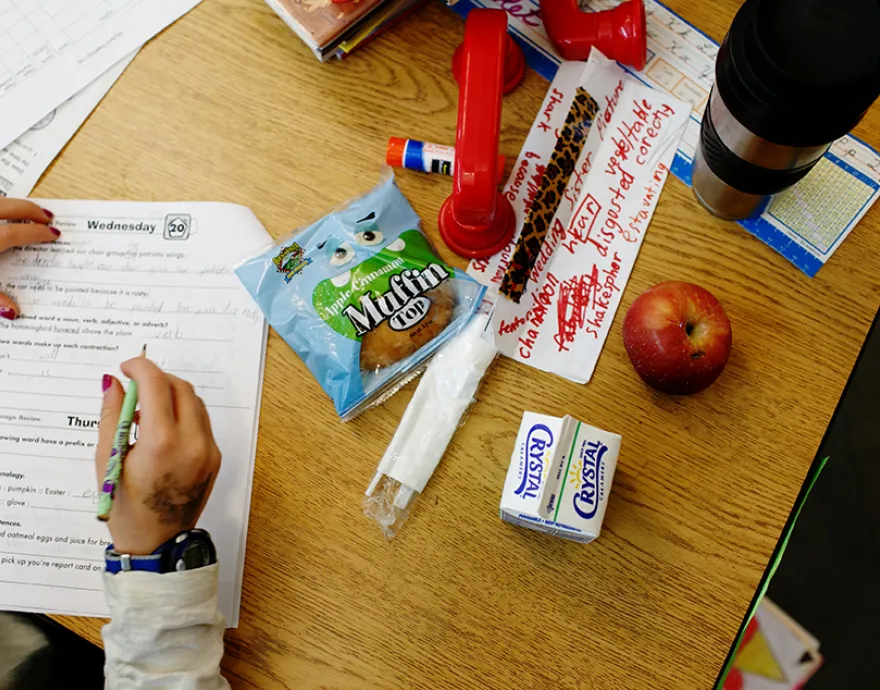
(168, 474)
(31, 227)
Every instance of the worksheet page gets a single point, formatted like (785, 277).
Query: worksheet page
(23, 162)
(122, 275)
(52, 49)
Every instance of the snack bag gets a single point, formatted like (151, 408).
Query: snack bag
(361, 297)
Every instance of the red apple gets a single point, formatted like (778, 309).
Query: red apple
(677, 337)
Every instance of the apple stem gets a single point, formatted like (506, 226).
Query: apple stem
(689, 329)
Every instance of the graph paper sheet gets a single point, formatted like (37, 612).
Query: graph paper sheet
(807, 222)
(52, 49)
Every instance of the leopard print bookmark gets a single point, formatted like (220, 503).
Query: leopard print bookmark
(559, 169)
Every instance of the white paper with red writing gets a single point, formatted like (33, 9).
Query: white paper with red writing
(576, 283)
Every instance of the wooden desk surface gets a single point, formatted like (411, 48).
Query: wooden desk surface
(229, 105)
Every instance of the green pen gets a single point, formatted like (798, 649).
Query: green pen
(119, 451)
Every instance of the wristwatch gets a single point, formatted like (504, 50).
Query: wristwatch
(189, 550)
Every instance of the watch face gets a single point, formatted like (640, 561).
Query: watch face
(196, 555)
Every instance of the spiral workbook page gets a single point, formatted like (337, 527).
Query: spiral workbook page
(122, 275)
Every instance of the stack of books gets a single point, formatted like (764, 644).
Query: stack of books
(337, 28)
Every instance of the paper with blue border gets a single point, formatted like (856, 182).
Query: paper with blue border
(806, 223)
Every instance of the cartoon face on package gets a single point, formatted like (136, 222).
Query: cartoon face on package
(361, 297)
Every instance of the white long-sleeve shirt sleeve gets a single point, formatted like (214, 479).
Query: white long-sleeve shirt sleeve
(165, 631)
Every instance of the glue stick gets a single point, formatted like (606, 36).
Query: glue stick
(419, 155)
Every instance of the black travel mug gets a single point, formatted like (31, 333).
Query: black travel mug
(790, 78)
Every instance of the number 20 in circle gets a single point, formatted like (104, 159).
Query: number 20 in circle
(177, 226)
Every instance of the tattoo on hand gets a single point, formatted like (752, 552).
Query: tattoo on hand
(177, 504)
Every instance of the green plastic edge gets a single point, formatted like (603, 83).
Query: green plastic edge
(775, 559)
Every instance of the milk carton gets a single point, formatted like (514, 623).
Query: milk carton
(533, 476)
(560, 476)
(586, 483)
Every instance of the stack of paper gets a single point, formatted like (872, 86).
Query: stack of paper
(57, 61)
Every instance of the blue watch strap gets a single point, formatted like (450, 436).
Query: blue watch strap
(120, 562)
(189, 549)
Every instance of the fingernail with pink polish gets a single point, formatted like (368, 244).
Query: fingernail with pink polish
(49, 213)
(106, 382)
(7, 313)
(56, 232)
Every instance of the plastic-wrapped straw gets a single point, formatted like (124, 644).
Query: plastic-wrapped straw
(443, 395)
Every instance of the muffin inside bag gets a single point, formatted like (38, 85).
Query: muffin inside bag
(361, 297)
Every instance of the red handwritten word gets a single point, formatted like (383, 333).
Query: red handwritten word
(532, 187)
(527, 343)
(530, 17)
(612, 221)
(580, 297)
(643, 214)
(503, 262)
(582, 223)
(520, 175)
(602, 241)
(576, 297)
(552, 239)
(648, 121)
(634, 229)
(555, 97)
(505, 328)
(573, 190)
(610, 104)
(653, 131)
(479, 265)
(660, 173)
(650, 193)
(542, 299)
